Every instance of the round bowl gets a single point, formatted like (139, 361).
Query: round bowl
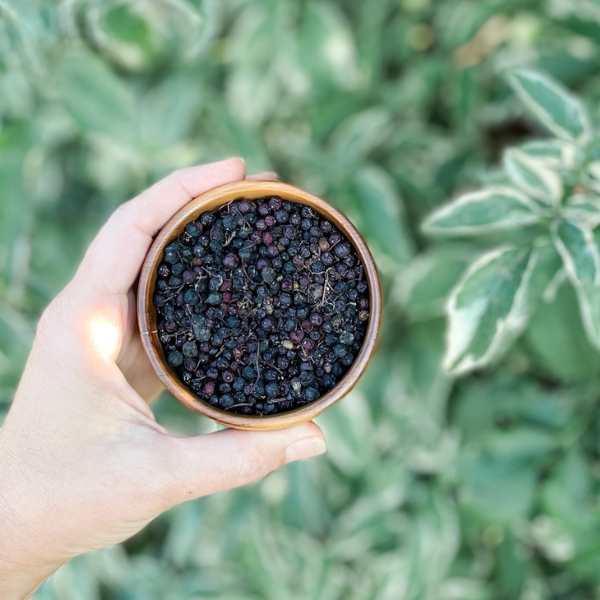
(147, 315)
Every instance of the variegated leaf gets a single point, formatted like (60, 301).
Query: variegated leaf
(591, 176)
(533, 177)
(552, 104)
(492, 209)
(548, 152)
(583, 209)
(581, 258)
(488, 308)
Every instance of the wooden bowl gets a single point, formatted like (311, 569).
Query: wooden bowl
(147, 315)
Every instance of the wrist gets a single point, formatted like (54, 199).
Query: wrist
(19, 577)
(23, 569)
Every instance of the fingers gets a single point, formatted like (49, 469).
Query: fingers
(226, 459)
(114, 259)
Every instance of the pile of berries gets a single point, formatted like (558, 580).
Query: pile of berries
(262, 306)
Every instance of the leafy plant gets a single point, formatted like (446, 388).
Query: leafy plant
(482, 488)
(547, 203)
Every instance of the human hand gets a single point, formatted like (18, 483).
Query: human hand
(83, 462)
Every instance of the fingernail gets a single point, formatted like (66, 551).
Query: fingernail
(306, 448)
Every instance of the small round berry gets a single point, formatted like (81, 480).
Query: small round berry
(272, 389)
(342, 250)
(191, 297)
(326, 227)
(340, 350)
(226, 400)
(190, 349)
(307, 344)
(316, 319)
(290, 232)
(175, 358)
(192, 230)
(170, 326)
(296, 336)
(207, 218)
(230, 261)
(346, 338)
(268, 274)
(282, 216)
(275, 202)
(311, 394)
(244, 206)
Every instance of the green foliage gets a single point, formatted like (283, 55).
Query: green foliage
(492, 304)
(479, 213)
(480, 488)
(488, 307)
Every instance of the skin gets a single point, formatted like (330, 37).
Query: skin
(83, 463)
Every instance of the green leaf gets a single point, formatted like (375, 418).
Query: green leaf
(551, 153)
(552, 104)
(562, 349)
(16, 337)
(513, 563)
(570, 474)
(381, 210)
(546, 276)
(253, 75)
(498, 484)
(16, 207)
(487, 310)
(432, 543)
(325, 45)
(355, 138)
(126, 25)
(478, 213)
(533, 177)
(96, 98)
(591, 176)
(581, 259)
(584, 210)
(423, 288)
(167, 114)
(552, 539)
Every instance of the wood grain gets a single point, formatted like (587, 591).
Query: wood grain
(147, 315)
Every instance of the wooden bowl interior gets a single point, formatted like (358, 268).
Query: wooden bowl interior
(147, 314)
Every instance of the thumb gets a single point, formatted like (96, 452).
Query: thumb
(226, 459)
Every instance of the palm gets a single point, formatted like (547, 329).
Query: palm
(133, 360)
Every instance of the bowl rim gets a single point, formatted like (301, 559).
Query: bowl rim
(212, 200)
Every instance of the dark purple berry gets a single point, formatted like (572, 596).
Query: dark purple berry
(230, 261)
(275, 202)
(282, 216)
(244, 206)
(342, 250)
(296, 336)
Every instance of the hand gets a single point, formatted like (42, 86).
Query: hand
(83, 463)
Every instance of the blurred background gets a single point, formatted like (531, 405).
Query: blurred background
(475, 489)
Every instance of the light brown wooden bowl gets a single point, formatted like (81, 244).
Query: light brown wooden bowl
(147, 315)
